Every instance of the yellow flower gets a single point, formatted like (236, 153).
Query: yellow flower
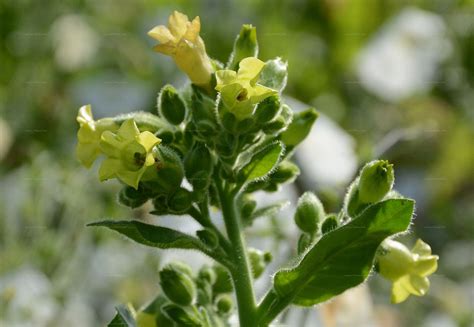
(128, 152)
(89, 134)
(182, 42)
(408, 270)
(239, 90)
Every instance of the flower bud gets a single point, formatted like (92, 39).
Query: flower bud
(167, 173)
(182, 316)
(329, 224)
(178, 286)
(208, 274)
(131, 197)
(281, 122)
(245, 45)
(160, 205)
(267, 109)
(299, 128)
(208, 237)
(180, 201)
(224, 304)
(376, 180)
(285, 173)
(258, 261)
(394, 261)
(171, 106)
(223, 282)
(309, 212)
(304, 242)
(198, 165)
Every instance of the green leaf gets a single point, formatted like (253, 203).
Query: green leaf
(343, 258)
(123, 318)
(151, 235)
(262, 163)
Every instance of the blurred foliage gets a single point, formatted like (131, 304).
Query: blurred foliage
(58, 55)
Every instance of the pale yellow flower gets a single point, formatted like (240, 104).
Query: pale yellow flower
(181, 41)
(408, 270)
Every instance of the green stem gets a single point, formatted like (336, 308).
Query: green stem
(241, 274)
(270, 307)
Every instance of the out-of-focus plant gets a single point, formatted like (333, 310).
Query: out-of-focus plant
(214, 143)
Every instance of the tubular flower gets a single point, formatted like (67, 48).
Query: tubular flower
(181, 41)
(239, 90)
(408, 270)
(128, 152)
(89, 134)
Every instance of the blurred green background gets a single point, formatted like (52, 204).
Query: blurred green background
(396, 75)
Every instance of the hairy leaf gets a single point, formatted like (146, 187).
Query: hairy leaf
(151, 235)
(262, 163)
(343, 257)
(123, 318)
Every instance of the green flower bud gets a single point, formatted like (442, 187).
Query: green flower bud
(258, 261)
(352, 203)
(177, 286)
(224, 304)
(160, 204)
(245, 45)
(299, 128)
(171, 106)
(167, 173)
(303, 242)
(309, 212)
(285, 173)
(229, 121)
(267, 109)
(223, 282)
(166, 136)
(180, 201)
(182, 316)
(329, 224)
(208, 237)
(247, 207)
(131, 197)
(198, 165)
(275, 126)
(376, 180)
(207, 274)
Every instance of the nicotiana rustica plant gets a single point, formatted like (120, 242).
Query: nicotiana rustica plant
(214, 143)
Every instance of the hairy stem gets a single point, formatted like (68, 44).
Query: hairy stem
(241, 274)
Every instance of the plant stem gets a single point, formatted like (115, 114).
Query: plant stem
(241, 274)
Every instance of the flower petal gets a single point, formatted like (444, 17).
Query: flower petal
(84, 115)
(87, 153)
(224, 77)
(178, 24)
(148, 140)
(192, 32)
(249, 69)
(229, 94)
(128, 130)
(131, 178)
(421, 248)
(260, 93)
(162, 34)
(399, 292)
(426, 265)
(110, 144)
(419, 285)
(109, 168)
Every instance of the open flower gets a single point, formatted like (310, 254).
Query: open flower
(89, 134)
(128, 152)
(182, 42)
(239, 90)
(408, 270)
